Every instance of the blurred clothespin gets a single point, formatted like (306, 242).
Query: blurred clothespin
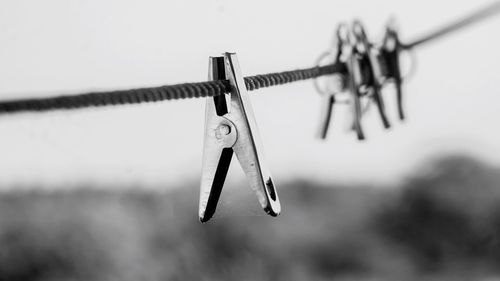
(366, 59)
(337, 82)
(355, 79)
(391, 67)
(230, 127)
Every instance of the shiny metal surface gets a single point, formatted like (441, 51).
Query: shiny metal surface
(231, 127)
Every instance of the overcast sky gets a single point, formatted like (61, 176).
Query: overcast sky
(58, 46)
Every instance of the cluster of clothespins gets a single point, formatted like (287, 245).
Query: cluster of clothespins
(359, 68)
(370, 67)
(230, 125)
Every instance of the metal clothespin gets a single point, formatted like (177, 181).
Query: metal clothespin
(329, 95)
(389, 58)
(355, 79)
(230, 127)
(367, 61)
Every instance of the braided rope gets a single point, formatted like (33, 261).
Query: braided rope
(171, 92)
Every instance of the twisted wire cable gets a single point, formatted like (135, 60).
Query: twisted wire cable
(214, 88)
(170, 92)
(483, 13)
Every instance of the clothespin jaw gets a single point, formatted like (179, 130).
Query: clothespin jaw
(231, 127)
(390, 52)
(369, 68)
(327, 103)
(328, 95)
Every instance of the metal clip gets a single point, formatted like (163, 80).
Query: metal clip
(389, 58)
(355, 82)
(370, 71)
(329, 95)
(230, 127)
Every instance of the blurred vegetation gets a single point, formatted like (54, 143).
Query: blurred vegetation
(442, 223)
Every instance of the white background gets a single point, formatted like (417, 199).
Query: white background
(59, 46)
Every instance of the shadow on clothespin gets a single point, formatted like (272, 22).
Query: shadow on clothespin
(230, 127)
(366, 59)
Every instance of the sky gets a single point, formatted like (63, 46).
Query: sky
(66, 46)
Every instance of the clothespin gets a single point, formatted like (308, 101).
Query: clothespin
(230, 127)
(329, 96)
(369, 68)
(355, 78)
(389, 58)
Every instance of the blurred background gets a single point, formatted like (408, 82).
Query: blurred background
(111, 193)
